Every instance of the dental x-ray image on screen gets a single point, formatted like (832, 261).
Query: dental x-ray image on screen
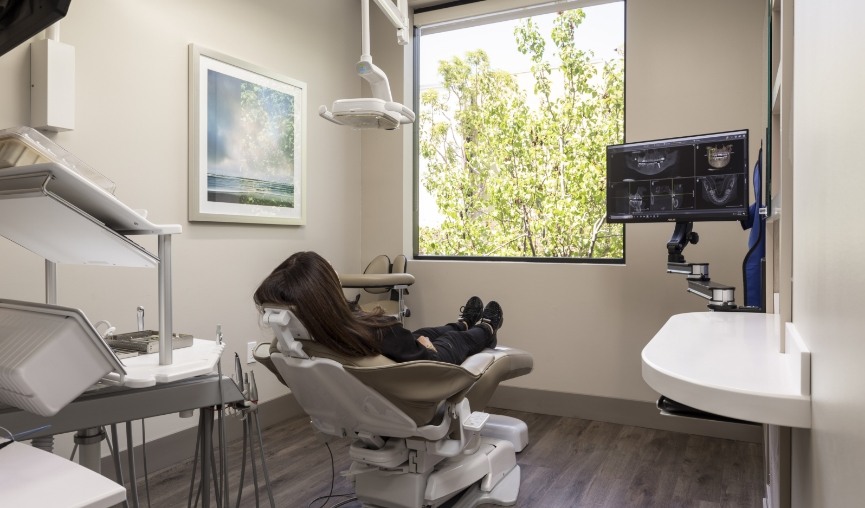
(691, 178)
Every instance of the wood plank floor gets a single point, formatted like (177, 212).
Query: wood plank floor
(569, 462)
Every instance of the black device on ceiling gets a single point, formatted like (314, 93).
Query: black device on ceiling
(686, 179)
(22, 19)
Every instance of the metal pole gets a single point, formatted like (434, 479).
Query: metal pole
(165, 316)
(50, 282)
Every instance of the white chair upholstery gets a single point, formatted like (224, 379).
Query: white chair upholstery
(415, 440)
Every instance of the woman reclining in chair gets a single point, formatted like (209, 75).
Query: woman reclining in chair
(307, 282)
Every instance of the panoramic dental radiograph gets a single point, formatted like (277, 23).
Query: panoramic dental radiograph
(652, 162)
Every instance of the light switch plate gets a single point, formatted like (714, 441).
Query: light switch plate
(250, 347)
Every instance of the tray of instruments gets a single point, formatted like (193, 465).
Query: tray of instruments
(186, 362)
(144, 342)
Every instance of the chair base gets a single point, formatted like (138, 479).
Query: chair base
(507, 428)
(489, 475)
(505, 493)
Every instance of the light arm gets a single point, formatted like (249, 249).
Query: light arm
(376, 78)
(398, 17)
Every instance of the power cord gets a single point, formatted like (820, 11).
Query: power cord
(330, 495)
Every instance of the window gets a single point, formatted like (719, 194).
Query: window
(514, 116)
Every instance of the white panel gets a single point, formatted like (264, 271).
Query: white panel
(48, 356)
(52, 94)
(60, 234)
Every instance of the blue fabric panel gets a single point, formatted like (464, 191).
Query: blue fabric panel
(756, 242)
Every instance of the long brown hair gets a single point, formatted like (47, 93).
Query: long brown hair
(307, 282)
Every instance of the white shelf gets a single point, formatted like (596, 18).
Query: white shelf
(728, 363)
(33, 477)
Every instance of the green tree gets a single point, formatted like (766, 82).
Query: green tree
(514, 179)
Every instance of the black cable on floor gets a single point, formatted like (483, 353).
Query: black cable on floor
(330, 494)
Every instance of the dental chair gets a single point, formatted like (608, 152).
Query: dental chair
(387, 281)
(416, 443)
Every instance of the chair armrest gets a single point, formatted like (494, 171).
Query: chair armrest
(373, 280)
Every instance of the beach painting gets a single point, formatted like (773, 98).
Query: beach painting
(248, 141)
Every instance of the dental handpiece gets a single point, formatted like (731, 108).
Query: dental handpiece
(140, 318)
(238, 372)
(253, 390)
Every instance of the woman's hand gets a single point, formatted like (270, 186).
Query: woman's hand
(425, 342)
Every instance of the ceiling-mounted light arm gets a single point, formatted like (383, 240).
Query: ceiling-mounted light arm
(398, 17)
(376, 77)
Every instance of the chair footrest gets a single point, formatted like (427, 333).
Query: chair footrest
(476, 421)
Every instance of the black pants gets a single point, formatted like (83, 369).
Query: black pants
(453, 343)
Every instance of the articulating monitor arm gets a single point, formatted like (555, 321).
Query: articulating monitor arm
(699, 283)
(682, 236)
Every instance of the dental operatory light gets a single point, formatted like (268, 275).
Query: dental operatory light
(379, 111)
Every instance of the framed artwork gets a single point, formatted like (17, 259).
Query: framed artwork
(247, 142)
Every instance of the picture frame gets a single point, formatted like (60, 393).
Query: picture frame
(247, 142)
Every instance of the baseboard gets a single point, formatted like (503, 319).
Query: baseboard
(173, 449)
(620, 411)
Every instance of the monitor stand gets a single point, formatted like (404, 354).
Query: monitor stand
(721, 296)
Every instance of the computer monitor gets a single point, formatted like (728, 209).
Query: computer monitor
(22, 19)
(685, 179)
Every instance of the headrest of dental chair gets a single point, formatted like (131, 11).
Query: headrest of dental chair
(288, 330)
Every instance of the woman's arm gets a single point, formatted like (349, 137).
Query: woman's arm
(398, 344)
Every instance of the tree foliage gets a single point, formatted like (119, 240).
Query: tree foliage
(515, 177)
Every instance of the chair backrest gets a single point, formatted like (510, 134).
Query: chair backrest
(338, 403)
(379, 265)
(400, 264)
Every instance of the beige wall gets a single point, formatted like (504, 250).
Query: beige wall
(131, 125)
(828, 249)
(692, 68)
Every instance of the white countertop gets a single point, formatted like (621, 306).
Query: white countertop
(36, 478)
(728, 363)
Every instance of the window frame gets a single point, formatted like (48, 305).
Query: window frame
(477, 15)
